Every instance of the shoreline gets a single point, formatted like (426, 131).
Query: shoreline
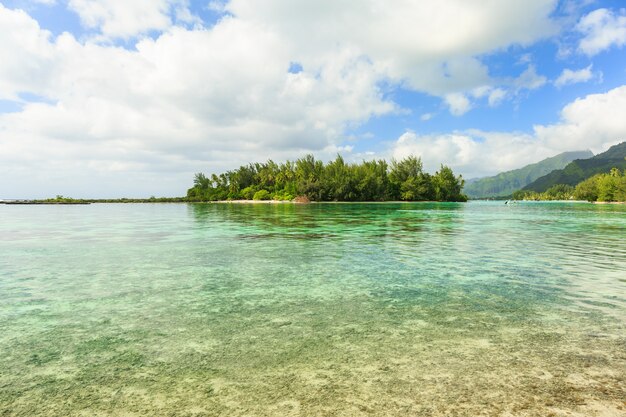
(250, 202)
(320, 202)
(278, 202)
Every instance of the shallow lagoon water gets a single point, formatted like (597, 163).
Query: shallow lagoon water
(426, 309)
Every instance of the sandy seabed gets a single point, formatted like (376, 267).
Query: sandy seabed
(257, 359)
(321, 310)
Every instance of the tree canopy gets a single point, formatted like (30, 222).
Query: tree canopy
(337, 180)
(609, 187)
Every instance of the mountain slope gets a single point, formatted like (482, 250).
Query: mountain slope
(581, 169)
(505, 183)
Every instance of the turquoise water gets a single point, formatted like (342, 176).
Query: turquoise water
(426, 309)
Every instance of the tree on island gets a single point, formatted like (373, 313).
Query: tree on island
(337, 180)
(609, 187)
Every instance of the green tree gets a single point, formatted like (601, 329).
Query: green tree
(559, 192)
(409, 182)
(608, 185)
(262, 195)
(372, 181)
(620, 193)
(308, 174)
(248, 193)
(447, 186)
(335, 181)
(587, 189)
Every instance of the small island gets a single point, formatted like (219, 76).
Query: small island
(311, 179)
(59, 199)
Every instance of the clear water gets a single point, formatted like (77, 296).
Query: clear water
(312, 310)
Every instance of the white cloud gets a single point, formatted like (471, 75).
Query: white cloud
(482, 91)
(569, 76)
(594, 122)
(179, 103)
(27, 52)
(496, 96)
(125, 19)
(458, 103)
(213, 98)
(217, 6)
(433, 45)
(602, 29)
(529, 79)
(473, 153)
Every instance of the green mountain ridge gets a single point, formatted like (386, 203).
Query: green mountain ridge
(505, 183)
(581, 169)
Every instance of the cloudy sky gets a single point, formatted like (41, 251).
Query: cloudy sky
(118, 98)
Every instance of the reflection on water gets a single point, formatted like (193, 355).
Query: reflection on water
(322, 309)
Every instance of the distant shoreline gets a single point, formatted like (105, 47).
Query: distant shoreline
(316, 202)
(42, 203)
(182, 201)
(176, 200)
(250, 202)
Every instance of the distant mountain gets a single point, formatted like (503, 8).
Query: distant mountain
(581, 169)
(505, 183)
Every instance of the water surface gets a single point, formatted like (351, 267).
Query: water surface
(426, 309)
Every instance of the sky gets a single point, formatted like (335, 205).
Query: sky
(117, 98)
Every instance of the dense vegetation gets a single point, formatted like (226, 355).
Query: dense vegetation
(582, 169)
(601, 187)
(335, 181)
(505, 183)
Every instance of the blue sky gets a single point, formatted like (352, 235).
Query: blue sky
(110, 98)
